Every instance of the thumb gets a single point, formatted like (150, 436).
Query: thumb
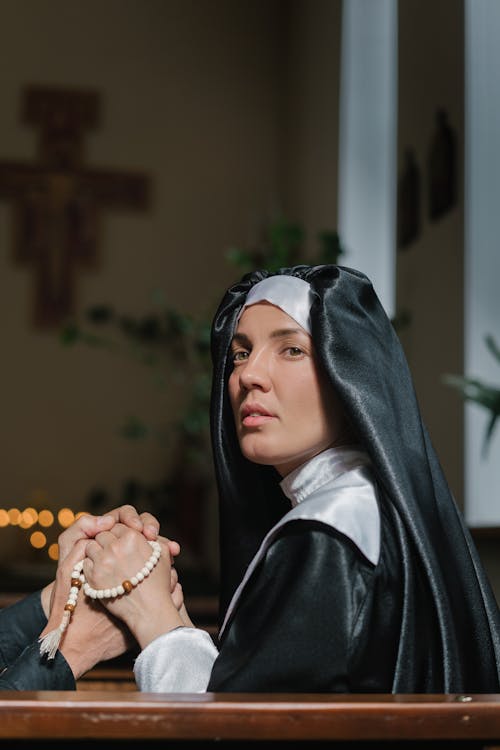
(67, 564)
(86, 527)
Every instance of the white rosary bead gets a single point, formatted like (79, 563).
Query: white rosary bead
(112, 593)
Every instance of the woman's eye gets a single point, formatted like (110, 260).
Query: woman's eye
(294, 351)
(239, 356)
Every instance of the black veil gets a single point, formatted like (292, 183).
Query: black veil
(363, 358)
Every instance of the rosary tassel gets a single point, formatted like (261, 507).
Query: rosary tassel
(49, 643)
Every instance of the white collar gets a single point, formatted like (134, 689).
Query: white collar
(320, 469)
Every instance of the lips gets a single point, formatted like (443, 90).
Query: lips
(254, 415)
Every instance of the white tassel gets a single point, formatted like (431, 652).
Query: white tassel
(49, 643)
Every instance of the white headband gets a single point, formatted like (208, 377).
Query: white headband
(289, 293)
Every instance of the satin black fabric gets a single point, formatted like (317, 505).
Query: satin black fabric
(317, 616)
(21, 666)
(447, 603)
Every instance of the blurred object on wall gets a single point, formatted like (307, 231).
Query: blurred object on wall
(409, 201)
(442, 167)
(57, 200)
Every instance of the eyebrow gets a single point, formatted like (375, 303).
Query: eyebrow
(242, 338)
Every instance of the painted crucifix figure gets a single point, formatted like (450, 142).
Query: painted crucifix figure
(57, 200)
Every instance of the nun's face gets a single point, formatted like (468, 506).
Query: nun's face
(284, 413)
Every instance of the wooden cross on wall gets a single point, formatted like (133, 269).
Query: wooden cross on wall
(57, 201)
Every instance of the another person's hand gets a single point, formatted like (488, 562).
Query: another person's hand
(150, 608)
(93, 634)
(87, 526)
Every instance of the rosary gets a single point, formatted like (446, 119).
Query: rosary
(49, 643)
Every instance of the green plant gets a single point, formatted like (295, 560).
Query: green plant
(476, 391)
(154, 341)
(282, 246)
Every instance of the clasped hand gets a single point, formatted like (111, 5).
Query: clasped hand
(114, 547)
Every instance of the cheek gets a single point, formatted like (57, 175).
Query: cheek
(304, 393)
(309, 402)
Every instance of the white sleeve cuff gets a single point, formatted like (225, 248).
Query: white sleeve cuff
(179, 661)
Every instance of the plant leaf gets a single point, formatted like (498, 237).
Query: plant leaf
(492, 346)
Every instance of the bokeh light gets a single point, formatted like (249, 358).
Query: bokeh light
(65, 517)
(45, 518)
(14, 516)
(30, 517)
(38, 539)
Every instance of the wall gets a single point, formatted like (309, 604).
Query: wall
(430, 268)
(309, 117)
(189, 96)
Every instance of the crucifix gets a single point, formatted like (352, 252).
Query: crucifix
(57, 200)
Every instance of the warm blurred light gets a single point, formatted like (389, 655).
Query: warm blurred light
(14, 516)
(29, 516)
(45, 518)
(65, 517)
(38, 539)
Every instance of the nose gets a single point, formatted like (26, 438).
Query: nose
(254, 373)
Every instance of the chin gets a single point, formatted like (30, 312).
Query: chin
(257, 456)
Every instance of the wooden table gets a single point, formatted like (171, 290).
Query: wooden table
(357, 720)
